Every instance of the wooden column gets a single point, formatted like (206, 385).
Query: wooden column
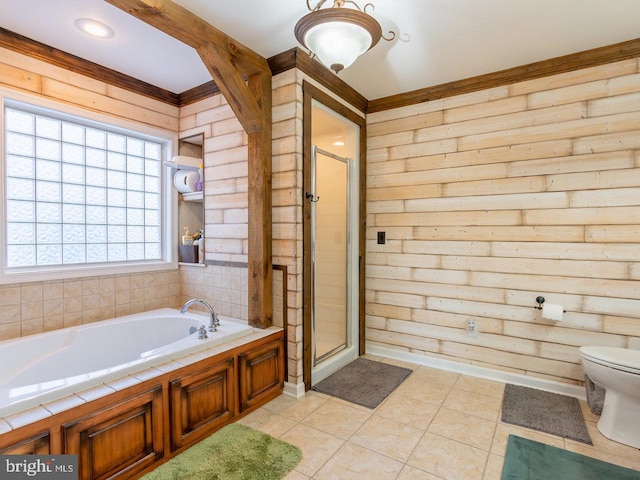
(260, 222)
(229, 64)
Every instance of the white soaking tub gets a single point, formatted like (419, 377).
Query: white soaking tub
(47, 366)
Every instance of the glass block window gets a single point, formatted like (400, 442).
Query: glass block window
(78, 192)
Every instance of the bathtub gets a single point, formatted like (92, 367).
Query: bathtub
(48, 366)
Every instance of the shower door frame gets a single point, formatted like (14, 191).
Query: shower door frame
(310, 94)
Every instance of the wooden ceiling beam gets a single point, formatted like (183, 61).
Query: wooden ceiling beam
(233, 86)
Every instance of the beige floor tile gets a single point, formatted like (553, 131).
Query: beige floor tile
(353, 462)
(434, 375)
(352, 405)
(337, 418)
(295, 475)
(473, 404)
(469, 429)
(586, 413)
(408, 410)
(419, 389)
(481, 386)
(388, 437)
(494, 468)
(503, 430)
(268, 422)
(317, 447)
(446, 425)
(412, 473)
(449, 459)
(297, 409)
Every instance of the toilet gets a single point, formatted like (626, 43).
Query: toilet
(617, 370)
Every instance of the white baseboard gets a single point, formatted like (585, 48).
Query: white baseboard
(295, 390)
(482, 372)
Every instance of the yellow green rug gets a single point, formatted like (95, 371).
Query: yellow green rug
(235, 452)
(529, 460)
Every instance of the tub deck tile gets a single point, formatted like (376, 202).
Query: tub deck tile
(95, 392)
(169, 366)
(124, 382)
(62, 404)
(147, 374)
(26, 417)
(189, 359)
(4, 426)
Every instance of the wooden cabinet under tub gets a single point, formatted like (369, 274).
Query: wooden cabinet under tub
(261, 374)
(201, 401)
(118, 441)
(129, 432)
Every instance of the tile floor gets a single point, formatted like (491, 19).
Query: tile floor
(435, 425)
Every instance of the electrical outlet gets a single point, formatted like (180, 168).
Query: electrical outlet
(472, 328)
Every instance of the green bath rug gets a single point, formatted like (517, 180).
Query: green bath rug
(529, 460)
(235, 452)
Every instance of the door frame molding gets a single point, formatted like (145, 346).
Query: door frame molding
(310, 93)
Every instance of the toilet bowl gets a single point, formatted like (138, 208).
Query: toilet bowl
(617, 370)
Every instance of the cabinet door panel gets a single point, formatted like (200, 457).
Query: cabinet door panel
(201, 402)
(118, 441)
(261, 374)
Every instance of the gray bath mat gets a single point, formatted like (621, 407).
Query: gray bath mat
(363, 382)
(544, 411)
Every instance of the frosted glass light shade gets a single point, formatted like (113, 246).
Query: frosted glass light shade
(338, 44)
(338, 35)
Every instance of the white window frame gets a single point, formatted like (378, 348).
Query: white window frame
(169, 199)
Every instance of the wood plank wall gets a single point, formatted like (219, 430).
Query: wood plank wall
(492, 198)
(287, 204)
(225, 176)
(223, 285)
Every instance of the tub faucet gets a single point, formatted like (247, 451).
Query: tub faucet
(214, 322)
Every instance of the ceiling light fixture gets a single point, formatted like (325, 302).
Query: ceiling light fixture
(94, 28)
(339, 35)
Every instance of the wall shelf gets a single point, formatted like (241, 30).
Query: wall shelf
(192, 197)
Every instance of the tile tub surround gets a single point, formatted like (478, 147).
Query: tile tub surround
(36, 307)
(437, 425)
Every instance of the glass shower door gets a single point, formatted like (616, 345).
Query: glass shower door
(330, 251)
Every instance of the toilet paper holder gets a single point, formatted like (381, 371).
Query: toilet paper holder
(540, 301)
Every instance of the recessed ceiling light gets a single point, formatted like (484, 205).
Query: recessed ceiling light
(94, 28)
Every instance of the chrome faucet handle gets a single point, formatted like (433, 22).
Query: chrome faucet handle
(216, 320)
(212, 327)
(202, 333)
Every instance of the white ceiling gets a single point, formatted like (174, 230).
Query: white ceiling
(437, 41)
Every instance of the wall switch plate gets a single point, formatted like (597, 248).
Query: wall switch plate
(382, 238)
